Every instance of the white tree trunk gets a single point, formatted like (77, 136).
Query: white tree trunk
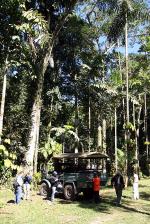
(127, 99)
(104, 136)
(76, 113)
(89, 136)
(145, 124)
(37, 142)
(116, 157)
(127, 70)
(138, 130)
(31, 154)
(34, 131)
(99, 137)
(3, 100)
(134, 123)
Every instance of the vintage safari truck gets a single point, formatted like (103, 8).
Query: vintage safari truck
(76, 171)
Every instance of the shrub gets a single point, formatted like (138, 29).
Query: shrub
(36, 180)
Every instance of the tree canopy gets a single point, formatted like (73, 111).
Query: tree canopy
(63, 79)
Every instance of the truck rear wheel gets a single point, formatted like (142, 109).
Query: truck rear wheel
(44, 189)
(69, 193)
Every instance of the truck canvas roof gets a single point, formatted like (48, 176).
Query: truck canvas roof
(86, 155)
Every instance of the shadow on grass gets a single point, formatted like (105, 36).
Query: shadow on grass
(144, 195)
(11, 202)
(103, 206)
(106, 205)
(65, 202)
(143, 186)
(100, 207)
(129, 209)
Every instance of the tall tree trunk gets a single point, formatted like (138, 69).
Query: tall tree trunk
(127, 96)
(146, 132)
(33, 136)
(104, 136)
(76, 112)
(138, 130)
(134, 123)
(32, 151)
(40, 67)
(111, 134)
(99, 136)
(136, 138)
(3, 99)
(37, 142)
(104, 144)
(116, 157)
(89, 128)
(123, 104)
(145, 124)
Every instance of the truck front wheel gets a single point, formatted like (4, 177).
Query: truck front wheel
(69, 193)
(44, 189)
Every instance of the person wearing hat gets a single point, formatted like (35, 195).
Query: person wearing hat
(118, 183)
(54, 182)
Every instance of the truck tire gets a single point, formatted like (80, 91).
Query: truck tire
(44, 189)
(69, 193)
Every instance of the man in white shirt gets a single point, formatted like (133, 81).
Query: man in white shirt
(135, 186)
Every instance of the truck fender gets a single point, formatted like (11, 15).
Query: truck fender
(47, 182)
(75, 188)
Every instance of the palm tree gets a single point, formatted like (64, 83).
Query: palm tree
(127, 12)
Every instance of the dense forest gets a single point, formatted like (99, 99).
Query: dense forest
(74, 77)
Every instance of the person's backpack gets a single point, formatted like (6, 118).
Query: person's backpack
(27, 179)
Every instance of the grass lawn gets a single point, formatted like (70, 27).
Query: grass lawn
(40, 211)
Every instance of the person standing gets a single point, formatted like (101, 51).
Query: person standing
(118, 182)
(135, 186)
(18, 187)
(96, 187)
(27, 186)
(54, 182)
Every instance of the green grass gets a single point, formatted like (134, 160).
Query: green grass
(39, 211)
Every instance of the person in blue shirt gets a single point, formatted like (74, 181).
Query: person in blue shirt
(27, 186)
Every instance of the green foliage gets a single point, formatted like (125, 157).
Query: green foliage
(36, 180)
(7, 163)
(129, 126)
(147, 143)
(121, 155)
(50, 147)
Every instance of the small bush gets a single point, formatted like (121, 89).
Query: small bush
(36, 180)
